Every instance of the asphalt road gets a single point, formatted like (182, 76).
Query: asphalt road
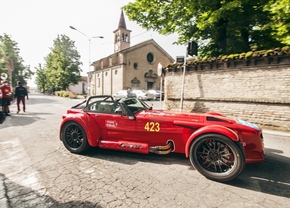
(37, 171)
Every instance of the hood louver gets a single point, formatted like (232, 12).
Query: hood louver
(210, 118)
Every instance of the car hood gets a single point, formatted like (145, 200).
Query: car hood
(174, 115)
(209, 118)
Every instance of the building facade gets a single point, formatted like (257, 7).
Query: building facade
(129, 67)
(80, 88)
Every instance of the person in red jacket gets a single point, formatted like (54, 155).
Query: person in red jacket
(6, 97)
(20, 93)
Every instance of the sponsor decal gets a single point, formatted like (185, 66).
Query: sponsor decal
(130, 146)
(111, 123)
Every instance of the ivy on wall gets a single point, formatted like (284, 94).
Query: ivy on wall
(243, 56)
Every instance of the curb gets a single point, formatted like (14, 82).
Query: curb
(3, 199)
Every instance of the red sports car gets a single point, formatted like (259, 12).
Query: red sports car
(217, 146)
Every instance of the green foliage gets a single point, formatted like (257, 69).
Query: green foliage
(249, 54)
(280, 20)
(58, 93)
(64, 93)
(9, 50)
(41, 78)
(62, 67)
(243, 56)
(219, 27)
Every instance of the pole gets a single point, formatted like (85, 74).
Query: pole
(182, 88)
(89, 72)
(159, 72)
(161, 92)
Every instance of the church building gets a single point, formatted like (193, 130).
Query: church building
(129, 67)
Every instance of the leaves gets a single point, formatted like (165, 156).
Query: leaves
(10, 52)
(219, 27)
(62, 67)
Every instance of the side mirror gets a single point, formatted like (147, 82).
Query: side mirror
(119, 112)
(131, 117)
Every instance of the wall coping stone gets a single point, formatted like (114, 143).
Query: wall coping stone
(254, 63)
(236, 100)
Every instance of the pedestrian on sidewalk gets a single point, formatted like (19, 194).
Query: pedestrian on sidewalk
(6, 97)
(20, 93)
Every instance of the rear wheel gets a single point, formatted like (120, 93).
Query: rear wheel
(74, 137)
(217, 157)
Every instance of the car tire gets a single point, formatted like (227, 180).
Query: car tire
(74, 137)
(217, 157)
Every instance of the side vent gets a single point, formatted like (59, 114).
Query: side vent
(210, 118)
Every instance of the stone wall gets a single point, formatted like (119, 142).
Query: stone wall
(257, 90)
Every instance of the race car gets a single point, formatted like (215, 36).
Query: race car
(218, 147)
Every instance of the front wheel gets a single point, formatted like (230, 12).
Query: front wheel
(217, 157)
(74, 137)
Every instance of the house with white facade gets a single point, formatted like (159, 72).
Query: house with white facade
(81, 87)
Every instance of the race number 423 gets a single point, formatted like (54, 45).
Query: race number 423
(152, 126)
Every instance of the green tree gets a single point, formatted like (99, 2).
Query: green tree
(10, 50)
(41, 79)
(280, 20)
(62, 67)
(218, 26)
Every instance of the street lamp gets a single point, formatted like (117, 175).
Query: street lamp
(89, 79)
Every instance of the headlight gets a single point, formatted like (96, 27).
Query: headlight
(249, 124)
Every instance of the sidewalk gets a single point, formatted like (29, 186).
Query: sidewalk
(275, 132)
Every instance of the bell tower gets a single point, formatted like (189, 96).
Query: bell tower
(121, 35)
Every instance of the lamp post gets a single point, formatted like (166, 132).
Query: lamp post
(89, 77)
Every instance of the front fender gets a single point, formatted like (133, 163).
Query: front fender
(211, 129)
(89, 125)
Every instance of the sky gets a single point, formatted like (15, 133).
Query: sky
(34, 24)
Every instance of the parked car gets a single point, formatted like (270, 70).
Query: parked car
(143, 94)
(124, 94)
(217, 146)
(156, 94)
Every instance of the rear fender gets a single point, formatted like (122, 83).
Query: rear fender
(217, 129)
(89, 125)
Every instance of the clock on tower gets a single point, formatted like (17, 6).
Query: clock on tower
(116, 47)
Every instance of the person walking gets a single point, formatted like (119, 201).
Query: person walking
(20, 93)
(6, 97)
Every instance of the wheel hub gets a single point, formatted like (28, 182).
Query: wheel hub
(75, 137)
(214, 155)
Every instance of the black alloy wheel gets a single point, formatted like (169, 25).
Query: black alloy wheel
(217, 157)
(74, 137)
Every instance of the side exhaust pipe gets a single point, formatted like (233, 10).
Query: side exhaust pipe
(162, 150)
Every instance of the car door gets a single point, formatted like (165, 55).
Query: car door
(157, 128)
(113, 125)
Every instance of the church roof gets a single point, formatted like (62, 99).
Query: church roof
(136, 47)
(122, 23)
(141, 44)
